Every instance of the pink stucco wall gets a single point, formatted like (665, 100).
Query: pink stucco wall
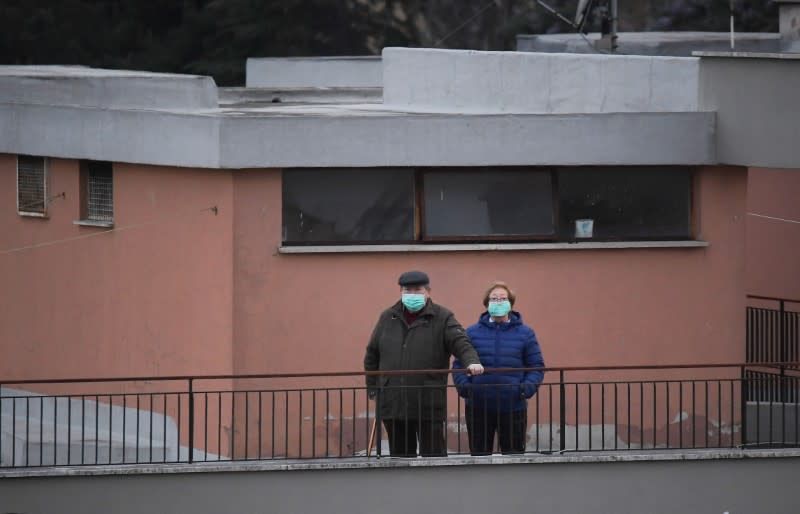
(176, 289)
(773, 245)
(153, 297)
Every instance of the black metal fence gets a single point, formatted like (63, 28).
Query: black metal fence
(310, 416)
(773, 335)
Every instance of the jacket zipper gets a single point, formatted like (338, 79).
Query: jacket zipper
(496, 345)
(403, 349)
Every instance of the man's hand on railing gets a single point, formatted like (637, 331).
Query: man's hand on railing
(474, 369)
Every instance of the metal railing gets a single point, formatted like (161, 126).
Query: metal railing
(773, 335)
(107, 421)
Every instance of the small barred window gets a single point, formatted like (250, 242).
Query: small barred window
(101, 193)
(31, 185)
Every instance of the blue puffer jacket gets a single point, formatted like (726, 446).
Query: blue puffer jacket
(502, 345)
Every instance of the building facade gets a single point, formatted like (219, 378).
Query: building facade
(175, 230)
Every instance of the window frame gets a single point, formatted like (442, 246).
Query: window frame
(326, 242)
(421, 238)
(45, 189)
(690, 222)
(84, 195)
(424, 238)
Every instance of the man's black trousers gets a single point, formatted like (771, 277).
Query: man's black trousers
(403, 435)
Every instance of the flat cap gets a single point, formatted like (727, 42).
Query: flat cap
(413, 278)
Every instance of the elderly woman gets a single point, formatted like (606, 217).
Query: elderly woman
(497, 403)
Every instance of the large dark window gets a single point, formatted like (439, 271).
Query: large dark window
(492, 203)
(406, 205)
(348, 206)
(624, 203)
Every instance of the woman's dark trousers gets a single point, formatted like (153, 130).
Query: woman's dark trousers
(483, 424)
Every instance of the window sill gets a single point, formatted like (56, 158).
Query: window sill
(41, 215)
(587, 245)
(93, 223)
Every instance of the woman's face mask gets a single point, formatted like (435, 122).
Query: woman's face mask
(498, 309)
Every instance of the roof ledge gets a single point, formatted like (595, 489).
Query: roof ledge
(93, 87)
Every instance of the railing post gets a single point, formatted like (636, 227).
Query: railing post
(743, 404)
(562, 407)
(191, 420)
(378, 423)
(783, 352)
(1, 428)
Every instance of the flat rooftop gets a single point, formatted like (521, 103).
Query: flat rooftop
(411, 107)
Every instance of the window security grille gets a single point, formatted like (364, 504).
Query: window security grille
(31, 185)
(100, 189)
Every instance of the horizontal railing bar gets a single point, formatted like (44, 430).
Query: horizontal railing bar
(78, 396)
(786, 366)
(771, 310)
(774, 298)
(176, 378)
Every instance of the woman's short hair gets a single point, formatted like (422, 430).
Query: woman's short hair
(499, 283)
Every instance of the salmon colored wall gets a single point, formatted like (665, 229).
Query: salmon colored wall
(166, 295)
(153, 297)
(773, 246)
(589, 307)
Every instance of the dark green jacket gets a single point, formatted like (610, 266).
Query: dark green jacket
(427, 344)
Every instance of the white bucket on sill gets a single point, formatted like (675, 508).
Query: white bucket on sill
(584, 228)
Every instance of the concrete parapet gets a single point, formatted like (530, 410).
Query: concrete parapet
(652, 43)
(470, 82)
(624, 483)
(755, 98)
(90, 87)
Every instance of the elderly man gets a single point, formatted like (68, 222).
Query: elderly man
(415, 333)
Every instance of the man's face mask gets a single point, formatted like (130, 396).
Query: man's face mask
(413, 301)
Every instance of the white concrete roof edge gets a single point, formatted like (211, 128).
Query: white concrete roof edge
(446, 140)
(79, 70)
(130, 136)
(600, 56)
(213, 140)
